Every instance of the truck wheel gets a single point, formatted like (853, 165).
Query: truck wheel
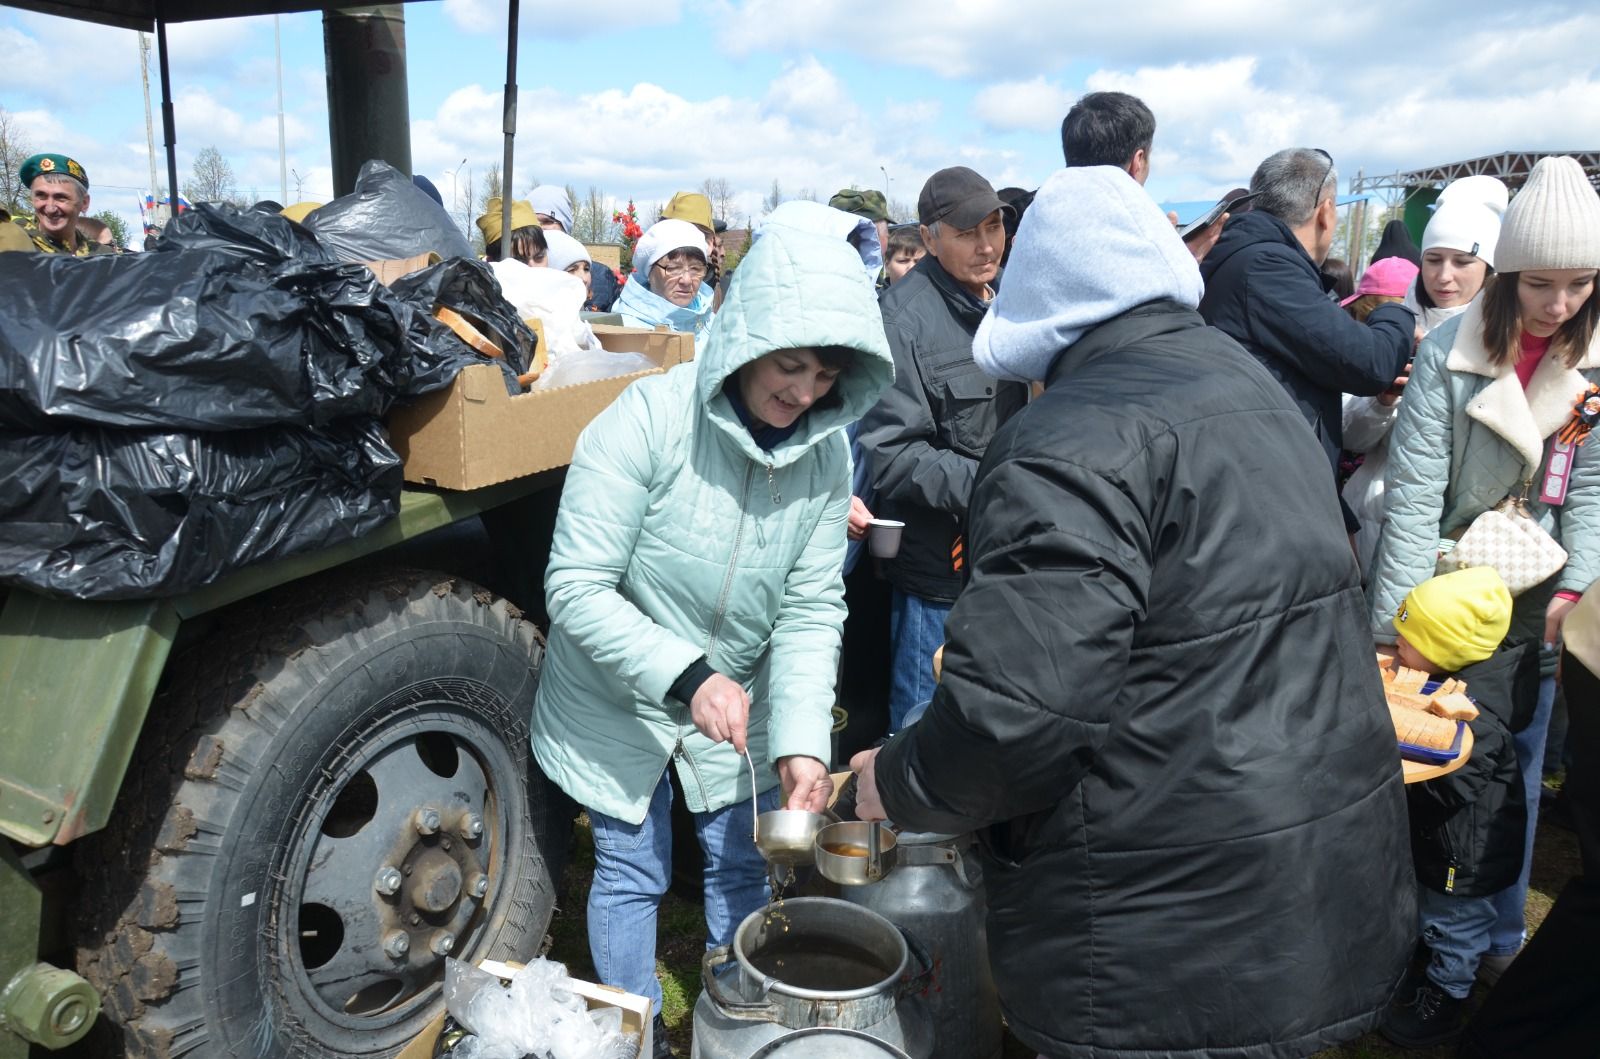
(333, 792)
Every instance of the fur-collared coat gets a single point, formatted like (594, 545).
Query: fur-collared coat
(1468, 435)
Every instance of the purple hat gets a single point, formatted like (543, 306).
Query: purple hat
(1389, 277)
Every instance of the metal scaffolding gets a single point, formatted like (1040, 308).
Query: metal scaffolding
(1512, 167)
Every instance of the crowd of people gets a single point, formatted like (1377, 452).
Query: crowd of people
(1165, 500)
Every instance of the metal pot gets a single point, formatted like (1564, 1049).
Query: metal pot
(808, 962)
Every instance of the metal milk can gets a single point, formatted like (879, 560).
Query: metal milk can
(935, 893)
(812, 962)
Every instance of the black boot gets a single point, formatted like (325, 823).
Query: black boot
(1427, 1017)
(658, 1033)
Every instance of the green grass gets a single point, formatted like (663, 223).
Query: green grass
(683, 930)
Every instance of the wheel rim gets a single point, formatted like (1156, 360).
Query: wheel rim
(384, 874)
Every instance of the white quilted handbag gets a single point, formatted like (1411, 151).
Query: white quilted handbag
(1507, 538)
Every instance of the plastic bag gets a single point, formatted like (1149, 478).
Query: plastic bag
(554, 298)
(256, 233)
(206, 340)
(537, 1016)
(467, 286)
(114, 514)
(384, 218)
(590, 365)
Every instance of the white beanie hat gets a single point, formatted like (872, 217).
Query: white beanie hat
(1470, 227)
(661, 239)
(1093, 245)
(1554, 222)
(1484, 190)
(564, 250)
(552, 201)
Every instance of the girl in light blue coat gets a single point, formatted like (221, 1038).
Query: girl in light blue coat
(1489, 390)
(668, 285)
(695, 593)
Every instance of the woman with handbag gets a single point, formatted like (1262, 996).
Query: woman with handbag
(1490, 392)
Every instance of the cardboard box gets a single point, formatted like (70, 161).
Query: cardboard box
(635, 1012)
(474, 434)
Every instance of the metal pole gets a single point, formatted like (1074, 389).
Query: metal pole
(149, 119)
(169, 126)
(508, 126)
(369, 112)
(283, 157)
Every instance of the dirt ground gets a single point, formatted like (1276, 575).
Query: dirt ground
(682, 941)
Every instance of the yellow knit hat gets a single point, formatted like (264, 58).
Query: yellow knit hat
(522, 216)
(1456, 619)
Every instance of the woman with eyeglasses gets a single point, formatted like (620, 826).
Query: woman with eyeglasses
(1493, 393)
(668, 281)
(696, 597)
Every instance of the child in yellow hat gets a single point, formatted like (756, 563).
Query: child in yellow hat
(1467, 827)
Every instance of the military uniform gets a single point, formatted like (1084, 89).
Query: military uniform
(46, 164)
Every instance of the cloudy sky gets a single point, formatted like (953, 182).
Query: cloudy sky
(641, 99)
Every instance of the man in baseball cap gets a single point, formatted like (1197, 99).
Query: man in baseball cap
(59, 187)
(928, 432)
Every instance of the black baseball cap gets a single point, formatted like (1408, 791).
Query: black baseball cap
(958, 197)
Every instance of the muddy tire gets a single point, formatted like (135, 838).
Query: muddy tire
(333, 790)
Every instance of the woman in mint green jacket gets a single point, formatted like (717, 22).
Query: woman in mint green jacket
(695, 593)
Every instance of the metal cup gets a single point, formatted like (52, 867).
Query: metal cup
(786, 837)
(842, 852)
(883, 539)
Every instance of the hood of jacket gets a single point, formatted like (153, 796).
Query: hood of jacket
(1093, 245)
(1250, 229)
(643, 307)
(806, 216)
(796, 289)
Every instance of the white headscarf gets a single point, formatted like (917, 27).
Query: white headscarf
(661, 239)
(564, 250)
(552, 201)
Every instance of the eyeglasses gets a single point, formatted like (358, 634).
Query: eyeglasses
(1326, 173)
(692, 269)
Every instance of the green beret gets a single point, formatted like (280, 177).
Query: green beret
(863, 203)
(41, 164)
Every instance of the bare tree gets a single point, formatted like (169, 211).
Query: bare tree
(901, 212)
(14, 150)
(491, 182)
(720, 192)
(591, 220)
(211, 178)
(774, 197)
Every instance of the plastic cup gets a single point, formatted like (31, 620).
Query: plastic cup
(883, 538)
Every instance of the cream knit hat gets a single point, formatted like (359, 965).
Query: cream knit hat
(1554, 222)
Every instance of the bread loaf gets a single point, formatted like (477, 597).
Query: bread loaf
(1418, 728)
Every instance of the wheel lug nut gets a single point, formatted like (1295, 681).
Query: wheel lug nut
(477, 885)
(388, 880)
(427, 820)
(442, 942)
(471, 825)
(396, 943)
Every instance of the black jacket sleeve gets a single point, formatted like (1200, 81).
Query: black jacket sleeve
(899, 433)
(1295, 322)
(1037, 652)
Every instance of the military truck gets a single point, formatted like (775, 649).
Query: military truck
(255, 819)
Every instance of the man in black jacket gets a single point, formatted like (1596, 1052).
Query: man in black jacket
(926, 435)
(1263, 289)
(1160, 709)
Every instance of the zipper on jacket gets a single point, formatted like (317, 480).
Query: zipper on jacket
(716, 621)
(772, 487)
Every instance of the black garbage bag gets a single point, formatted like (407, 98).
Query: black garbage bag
(256, 233)
(112, 514)
(220, 338)
(468, 286)
(386, 218)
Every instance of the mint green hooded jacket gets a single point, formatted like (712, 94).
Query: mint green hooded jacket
(679, 537)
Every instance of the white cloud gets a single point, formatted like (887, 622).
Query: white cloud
(810, 93)
(1032, 106)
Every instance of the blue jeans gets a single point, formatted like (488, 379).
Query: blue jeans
(633, 867)
(916, 629)
(1509, 929)
(1456, 932)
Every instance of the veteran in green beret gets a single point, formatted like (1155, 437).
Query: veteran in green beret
(60, 193)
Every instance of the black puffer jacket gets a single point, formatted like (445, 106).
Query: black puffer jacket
(929, 430)
(1468, 827)
(1263, 290)
(1160, 708)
